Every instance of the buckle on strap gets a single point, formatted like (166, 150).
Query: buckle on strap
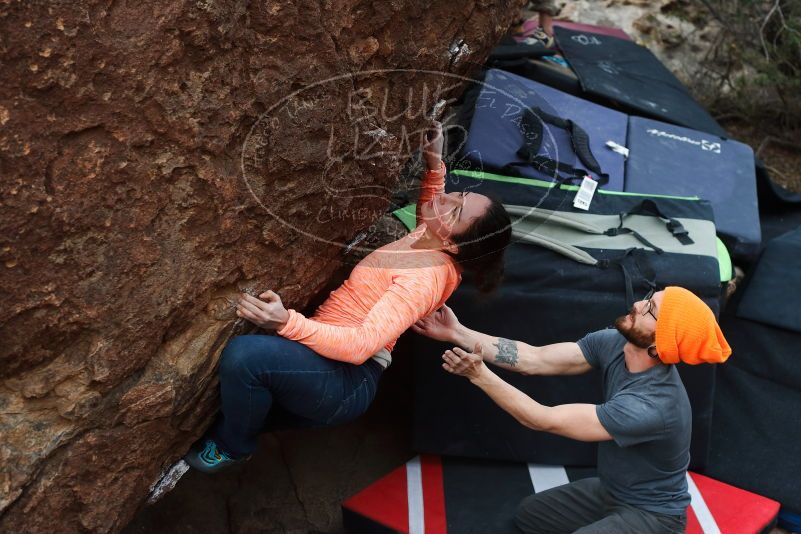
(676, 228)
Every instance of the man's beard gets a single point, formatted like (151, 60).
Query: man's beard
(636, 338)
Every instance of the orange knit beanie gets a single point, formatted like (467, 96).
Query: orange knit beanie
(687, 331)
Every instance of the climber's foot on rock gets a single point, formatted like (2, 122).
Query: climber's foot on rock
(207, 457)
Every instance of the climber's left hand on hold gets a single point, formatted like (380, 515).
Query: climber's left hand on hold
(267, 311)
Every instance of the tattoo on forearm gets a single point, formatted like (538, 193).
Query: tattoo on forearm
(507, 351)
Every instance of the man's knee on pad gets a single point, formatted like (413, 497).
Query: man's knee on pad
(527, 518)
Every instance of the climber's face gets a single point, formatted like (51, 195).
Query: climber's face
(449, 214)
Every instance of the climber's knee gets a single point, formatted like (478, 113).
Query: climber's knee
(242, 353)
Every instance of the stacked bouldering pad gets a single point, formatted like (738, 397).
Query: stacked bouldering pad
(753, 445)
(514, 117)
(604, 65)
(669, 159)
(638, 155)
(756, 432)
(774, 288)
(569, 272)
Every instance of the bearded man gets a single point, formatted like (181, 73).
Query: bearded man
(643, 426)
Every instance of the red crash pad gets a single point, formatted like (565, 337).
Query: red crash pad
(436, 495)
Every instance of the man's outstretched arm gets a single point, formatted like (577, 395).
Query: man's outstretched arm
(555, 359)
(575, 421)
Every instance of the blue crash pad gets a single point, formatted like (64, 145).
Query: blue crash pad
(672, 160)
(496, 132)
(774, 287)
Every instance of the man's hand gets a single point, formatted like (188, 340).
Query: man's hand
(432, 146)
(467, 364)
(441, 325)
(268, 313)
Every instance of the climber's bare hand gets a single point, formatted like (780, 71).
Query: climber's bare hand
(266, 312)
(432, 145)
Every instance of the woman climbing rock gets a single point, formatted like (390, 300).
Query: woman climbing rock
(324, 370)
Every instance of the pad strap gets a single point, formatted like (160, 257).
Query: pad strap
(532, 123)
(649, 207)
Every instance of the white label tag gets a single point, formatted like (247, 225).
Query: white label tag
(620, 149)
(584, 195)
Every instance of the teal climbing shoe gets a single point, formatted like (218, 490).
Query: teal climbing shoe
(207, 457)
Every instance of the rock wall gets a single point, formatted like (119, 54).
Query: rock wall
(157, 158)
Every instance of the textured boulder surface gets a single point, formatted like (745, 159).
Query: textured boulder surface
(156, 159)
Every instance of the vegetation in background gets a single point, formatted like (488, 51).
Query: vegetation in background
(754, 67)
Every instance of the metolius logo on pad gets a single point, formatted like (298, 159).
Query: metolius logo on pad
(709, 146)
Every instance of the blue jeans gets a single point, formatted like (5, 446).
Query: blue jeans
(258, 372)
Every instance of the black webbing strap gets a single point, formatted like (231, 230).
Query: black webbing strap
(620, 230)
(632, 269)
(649, 207)
(578, 137)
(532, 143)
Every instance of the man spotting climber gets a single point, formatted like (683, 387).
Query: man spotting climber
(643, 426)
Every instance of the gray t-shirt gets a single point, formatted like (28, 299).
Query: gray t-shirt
(648, 415)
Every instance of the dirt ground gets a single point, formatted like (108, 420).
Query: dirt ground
(781, 153)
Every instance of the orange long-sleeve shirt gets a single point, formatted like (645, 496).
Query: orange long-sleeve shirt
(386, 293)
